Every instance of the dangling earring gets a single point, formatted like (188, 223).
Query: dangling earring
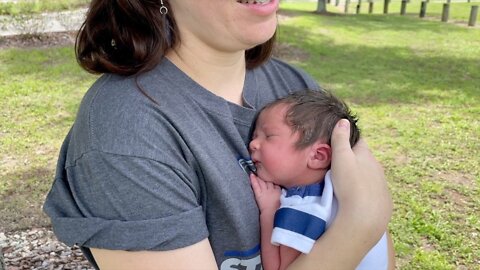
(113, 44)
(163, 9)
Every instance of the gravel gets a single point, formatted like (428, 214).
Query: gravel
(44, 40)
(39, 249)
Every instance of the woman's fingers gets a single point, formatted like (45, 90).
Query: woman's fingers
(343, 158)
(359, 180)
(367, 159)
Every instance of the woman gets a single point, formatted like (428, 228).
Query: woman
(148, 176)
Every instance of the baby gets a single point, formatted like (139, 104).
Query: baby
(290, 148)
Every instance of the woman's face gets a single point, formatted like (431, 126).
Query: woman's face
(225, 25)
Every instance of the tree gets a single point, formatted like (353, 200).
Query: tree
(322, 6)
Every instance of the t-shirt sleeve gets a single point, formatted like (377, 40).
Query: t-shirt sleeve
(122, 202)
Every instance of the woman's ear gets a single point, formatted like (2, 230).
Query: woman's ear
(320, 156)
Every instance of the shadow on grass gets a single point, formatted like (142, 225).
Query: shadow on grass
(41, 62)
(21, 203)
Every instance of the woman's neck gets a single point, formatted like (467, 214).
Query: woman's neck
(221, 73)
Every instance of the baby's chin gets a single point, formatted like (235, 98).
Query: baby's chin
(264, 176)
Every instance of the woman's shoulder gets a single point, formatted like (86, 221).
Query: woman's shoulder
(116, 115)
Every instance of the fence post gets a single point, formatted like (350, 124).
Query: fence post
(385, 6)
(423, 9)
(370, 7)
(473, 16)
(445, 12)
(403, 8)
(347, 2)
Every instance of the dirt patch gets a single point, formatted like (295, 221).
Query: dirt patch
(458, 198)
(427, 245)
(402, 159)
(457, 179)
(45, 40)
(23, 198)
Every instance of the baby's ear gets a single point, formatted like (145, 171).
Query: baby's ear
(320, 156)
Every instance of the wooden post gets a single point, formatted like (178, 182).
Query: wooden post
(445, 12)
(347, 2)
(337, 2)
(359, 5)
(403, 8)
(370, 7)
(473, 16)
(423, 9)
(385, 6)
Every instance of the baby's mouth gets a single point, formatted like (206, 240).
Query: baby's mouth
(255, 2)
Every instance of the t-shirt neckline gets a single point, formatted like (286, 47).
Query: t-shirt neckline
(208, 99)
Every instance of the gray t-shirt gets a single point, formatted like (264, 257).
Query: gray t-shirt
(135, 175)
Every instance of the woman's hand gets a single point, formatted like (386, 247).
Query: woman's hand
(359, 183)
(365, 206)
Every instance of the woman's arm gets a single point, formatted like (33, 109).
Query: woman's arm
(365, 207)
(196, 256)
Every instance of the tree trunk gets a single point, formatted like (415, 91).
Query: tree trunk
(322, 6)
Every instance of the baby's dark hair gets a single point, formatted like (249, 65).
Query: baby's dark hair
(314, 114)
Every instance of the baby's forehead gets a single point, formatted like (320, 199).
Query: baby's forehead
(276, 108)
(273, 115)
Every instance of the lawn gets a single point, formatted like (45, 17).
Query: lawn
(40, 90)
(415, 85)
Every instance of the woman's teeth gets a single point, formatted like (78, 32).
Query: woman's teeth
(259, 2)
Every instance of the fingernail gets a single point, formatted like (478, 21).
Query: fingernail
(343, 123)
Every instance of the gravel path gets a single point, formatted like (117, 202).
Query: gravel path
(39, 249)
(41, 23)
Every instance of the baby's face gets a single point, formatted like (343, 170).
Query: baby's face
(273, 148)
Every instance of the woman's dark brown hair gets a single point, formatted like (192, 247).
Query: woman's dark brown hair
(129, 37)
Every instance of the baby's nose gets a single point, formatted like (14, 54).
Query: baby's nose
(254, 145)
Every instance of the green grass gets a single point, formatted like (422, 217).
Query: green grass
(415, 85)
(40, 91)
(35, 6)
